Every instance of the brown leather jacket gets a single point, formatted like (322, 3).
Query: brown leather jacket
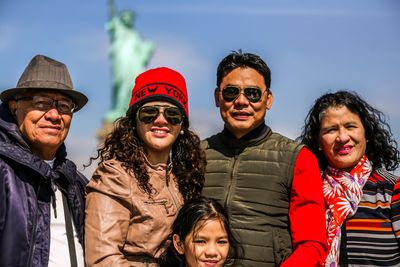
(124, 226)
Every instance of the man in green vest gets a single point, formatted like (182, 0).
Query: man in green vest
(270, 184)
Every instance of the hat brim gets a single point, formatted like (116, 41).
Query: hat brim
(79, 99)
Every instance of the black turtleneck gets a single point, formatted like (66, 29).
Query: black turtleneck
(258, 131)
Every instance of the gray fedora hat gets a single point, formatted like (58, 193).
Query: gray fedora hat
(45, 73)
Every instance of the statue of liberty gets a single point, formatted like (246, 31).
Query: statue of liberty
(130, 56)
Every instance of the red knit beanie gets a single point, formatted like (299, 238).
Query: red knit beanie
(162, 84)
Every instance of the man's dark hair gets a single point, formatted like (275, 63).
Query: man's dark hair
(238, 59)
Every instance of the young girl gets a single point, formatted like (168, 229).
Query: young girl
(201, 236)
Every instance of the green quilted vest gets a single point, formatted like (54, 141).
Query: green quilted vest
(252, 179)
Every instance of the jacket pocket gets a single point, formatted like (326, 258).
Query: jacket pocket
(162, 204)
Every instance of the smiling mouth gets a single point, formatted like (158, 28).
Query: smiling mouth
(51, 130)
(51, 127)
(210, 263)
(344, 150)
(240, 115)
(160, 131)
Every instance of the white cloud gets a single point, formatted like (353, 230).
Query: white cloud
(198, 70)
(179, 54)
(93, 42)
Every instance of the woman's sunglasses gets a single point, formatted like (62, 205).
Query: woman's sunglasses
(253, 94)
(148, 114)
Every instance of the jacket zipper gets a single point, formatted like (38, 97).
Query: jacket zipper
(169, 191)
(34, 234)
(232, 184)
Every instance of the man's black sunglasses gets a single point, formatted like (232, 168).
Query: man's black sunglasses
(253, 94)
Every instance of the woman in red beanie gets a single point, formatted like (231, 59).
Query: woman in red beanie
(149, 166)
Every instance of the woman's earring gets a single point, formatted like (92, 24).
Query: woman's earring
(181, 132)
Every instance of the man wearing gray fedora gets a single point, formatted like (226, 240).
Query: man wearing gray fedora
(41, 192)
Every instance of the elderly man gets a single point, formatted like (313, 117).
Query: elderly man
(41, 192)
(270, 184)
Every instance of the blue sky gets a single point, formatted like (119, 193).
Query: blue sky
(312, 47)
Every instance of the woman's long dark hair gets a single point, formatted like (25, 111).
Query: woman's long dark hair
(191, 216)
(381, 149)
(188, 159)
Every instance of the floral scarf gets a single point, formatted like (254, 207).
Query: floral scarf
(342, 192)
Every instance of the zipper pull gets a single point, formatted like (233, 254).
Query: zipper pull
(53, 204)
(53, 197)
(165, 206)
(237, 151)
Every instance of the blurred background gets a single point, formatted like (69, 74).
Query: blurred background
(312, 47)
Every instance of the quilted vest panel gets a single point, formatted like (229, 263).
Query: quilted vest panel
(253, 182)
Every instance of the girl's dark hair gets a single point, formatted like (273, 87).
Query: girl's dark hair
(381, 148)
(188, 159)
(190, 215)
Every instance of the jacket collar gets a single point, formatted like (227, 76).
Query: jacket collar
(253, 138)
(9, 129)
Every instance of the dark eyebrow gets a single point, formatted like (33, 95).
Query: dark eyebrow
(351, 123)
(250, 86)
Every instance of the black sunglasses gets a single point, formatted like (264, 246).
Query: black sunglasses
(253, 94)
(148, 114)
(45, 103)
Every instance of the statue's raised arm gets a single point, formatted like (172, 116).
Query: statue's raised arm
(111, 8)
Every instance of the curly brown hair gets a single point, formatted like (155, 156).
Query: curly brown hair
(188, 159)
